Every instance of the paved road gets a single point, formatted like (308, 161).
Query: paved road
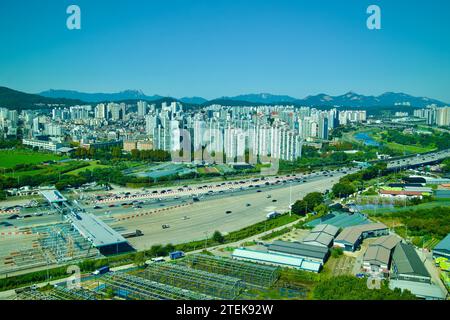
(206, 216)
(418, 160)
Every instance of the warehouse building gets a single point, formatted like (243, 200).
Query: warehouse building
(350, 238)
(300, 250)
(407, 266)
(421, 290)
(442, 249)
(377, 258)
(322, 235)
(275, 259)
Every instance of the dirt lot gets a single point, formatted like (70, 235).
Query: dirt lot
(340, 266)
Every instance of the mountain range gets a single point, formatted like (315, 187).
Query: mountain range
(20, 100)
(349, 99)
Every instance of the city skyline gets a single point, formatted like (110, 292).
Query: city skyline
(193, 48)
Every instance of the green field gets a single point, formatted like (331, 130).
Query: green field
(407, 148)
(10, 158)
(60, 167)
(92, 165)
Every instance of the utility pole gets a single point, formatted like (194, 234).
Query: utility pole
(290, 199)
(206, 239)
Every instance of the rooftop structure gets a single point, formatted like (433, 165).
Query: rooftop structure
(99, 233)
(350, 238)
(53, 196)
(301, 250)
(276, 259)
(321, 235)
(326, 228)
(378, 255)
(442, 249)
(425, 291)
(340, 220)
(406, 265)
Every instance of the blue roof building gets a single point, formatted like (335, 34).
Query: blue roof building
(442, 249)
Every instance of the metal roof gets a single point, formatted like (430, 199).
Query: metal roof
(444, 245)
(300, 249)
(275, 258)
(267, 257)
(377, 254)
(352, 234)
(419, 289)
(95, 230)
(53, 196)
(326, 228)
(389, 242)
(319, 237)
(407, 261)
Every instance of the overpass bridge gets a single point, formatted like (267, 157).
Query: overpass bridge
(417, 160)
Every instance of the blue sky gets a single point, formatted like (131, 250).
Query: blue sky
(214, 48)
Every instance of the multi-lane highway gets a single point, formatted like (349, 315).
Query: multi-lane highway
(222, 206)
(418, 160)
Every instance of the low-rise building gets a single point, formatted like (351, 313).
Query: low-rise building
(305, 251)
(421, 290)
(442, 249)
(129, 145)
(43, 144)
(276, 259)
(350, 238)
(377, 258)
(406, 265)
(321, 235)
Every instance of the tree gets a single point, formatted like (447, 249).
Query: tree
(218, 237)
(351, 288)
(300, 207)
(313, 199)
(343, 190)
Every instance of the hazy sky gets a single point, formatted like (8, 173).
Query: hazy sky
(213, 48)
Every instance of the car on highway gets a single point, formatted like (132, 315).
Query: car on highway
(269, 196)
(248, 205)
(13, 217)
(97, 207)
(112, 205)
(165, 226)
(274, 200)
(228, 212)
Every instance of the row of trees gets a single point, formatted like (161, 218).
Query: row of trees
(433, 222)
(352, 288)
(440, 140)
(117, 154)
(311, 202)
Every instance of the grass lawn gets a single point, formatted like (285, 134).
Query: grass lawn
(408, 148)
(10, 158)
(46, 169)
(92, 165)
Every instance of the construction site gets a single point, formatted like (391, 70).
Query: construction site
(44, 246)
(195, 277)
